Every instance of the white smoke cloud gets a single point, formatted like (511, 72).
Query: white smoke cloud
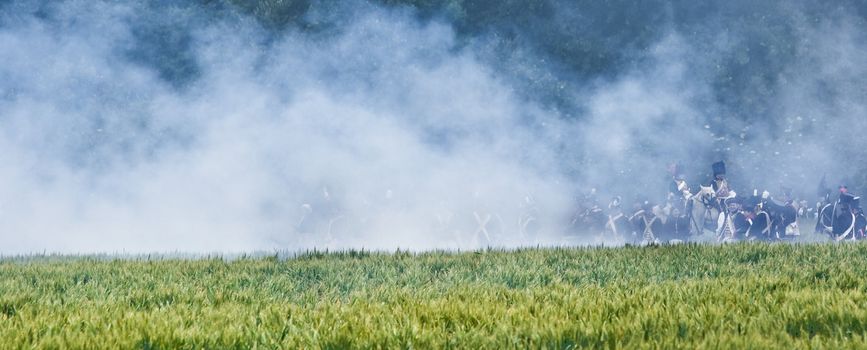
(383, 132)
(644, 121)
(407, 134)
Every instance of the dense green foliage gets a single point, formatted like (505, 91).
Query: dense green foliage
(689, 296)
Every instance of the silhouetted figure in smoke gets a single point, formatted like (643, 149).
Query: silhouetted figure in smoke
(825, 215)
(589, 218)
(860, 219)
(677, 187)
(678, 192)
(489, 227)
(617, 227)
(677, 210)
(844, 215)
(677, 225)
(804, 209)
(647, 224)
(861, 225)
(849, 205)
(823, 195)
(528, 221)
(319, 219)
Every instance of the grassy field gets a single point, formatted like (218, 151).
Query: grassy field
(687, 296)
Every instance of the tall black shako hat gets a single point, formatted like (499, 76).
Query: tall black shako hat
(719, 168)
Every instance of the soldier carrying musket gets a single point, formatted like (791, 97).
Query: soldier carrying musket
(678, 189)
(647, 224)
(732, 224)
(617, 225)
(679, 209)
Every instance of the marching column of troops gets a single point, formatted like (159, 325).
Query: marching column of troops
(717, 208)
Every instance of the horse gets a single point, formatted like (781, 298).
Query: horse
(702, 209)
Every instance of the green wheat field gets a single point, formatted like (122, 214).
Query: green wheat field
(746, 295)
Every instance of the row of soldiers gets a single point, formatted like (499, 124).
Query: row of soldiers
(843, 218)
(758, 216)
(713, 208)
(761, 216)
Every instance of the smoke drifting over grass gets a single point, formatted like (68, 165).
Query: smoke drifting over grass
(138, 127)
